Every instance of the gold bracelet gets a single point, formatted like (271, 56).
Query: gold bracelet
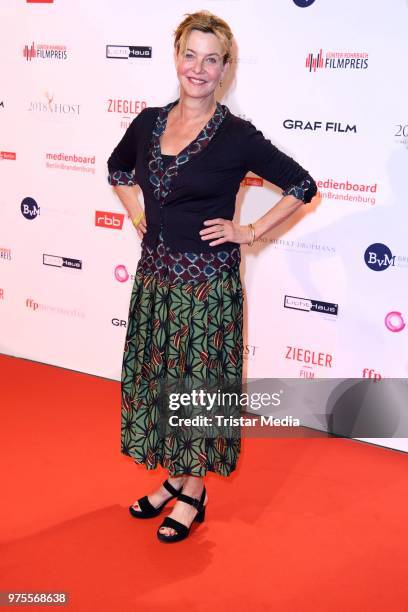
(138, 219)
(251, 227)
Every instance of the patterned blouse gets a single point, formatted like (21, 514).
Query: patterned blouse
(184, 267)
(161, 261)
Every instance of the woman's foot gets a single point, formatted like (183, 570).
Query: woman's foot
(182, 512)
(161, 494)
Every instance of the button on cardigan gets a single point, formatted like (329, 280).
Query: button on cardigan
(205, 178)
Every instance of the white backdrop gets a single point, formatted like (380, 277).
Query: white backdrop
(68, 252)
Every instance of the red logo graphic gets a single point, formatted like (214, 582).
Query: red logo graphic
(314, 62)
(40, 1)
(109, 219)
(5, 253)
(309, 358)
(29, 52)
(370, 373)
(7, 155)
(121, 273)
(252, 181)
(353, 60)
(128, 107)
(45, 51)
(394, 321)
(31, 304)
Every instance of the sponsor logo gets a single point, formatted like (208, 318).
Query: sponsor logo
(51, 107)
(308, 358)
(337, 60)
(401, 134)
(303, 3)
(378, 257)
(5, 254)
(7, 155)
(314, 126)
(29, 208)
(39, 1)
(127, 108)
(121, 273)
(119, 322)
(42, 51)
(252, 181)
(111, 220)
(78, 163)
(394, 321)
(309, 305)
(61, 262)
(298, 245)
(52, 309)
(1, 103)
(249, 351)
(368, 373)
(1, 293)
(128, 52)
(329, 189)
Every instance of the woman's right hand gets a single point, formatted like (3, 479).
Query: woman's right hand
(141, 227)
(128, 195)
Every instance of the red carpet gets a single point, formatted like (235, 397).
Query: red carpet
(303, 524)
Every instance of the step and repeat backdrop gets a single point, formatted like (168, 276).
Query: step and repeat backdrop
(326, 292)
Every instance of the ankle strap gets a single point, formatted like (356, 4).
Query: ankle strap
(171, 489)
(197, 503)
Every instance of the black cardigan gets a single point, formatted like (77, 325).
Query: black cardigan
(205, 186)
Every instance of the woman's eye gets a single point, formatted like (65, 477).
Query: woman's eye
(211, 60)
(188, 55)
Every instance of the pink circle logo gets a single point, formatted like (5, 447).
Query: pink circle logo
(121, 274)
(394, 321)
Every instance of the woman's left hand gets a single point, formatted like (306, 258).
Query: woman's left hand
(223, 230)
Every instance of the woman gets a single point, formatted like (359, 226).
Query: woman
(185, 316)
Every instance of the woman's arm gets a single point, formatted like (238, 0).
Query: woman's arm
(242, 234)
(121, 164)
(128, 196)
(275, 215)
(293, 197)
(267, 161)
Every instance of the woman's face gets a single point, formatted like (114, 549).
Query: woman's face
(200, 68)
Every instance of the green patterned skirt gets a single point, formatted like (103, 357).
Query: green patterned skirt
(177, 330)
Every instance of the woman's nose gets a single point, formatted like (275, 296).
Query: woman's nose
(198, 65)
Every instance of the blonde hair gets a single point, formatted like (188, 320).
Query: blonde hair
(204, 21)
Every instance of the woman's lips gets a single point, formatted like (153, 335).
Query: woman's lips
(195, 81)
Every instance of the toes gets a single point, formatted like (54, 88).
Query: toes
(167, 531)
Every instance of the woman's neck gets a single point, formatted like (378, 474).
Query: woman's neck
(193, 110)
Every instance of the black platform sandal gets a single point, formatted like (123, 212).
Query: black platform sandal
(182, 531)
(147, 509)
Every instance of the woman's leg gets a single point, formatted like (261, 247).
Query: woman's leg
(182, 512)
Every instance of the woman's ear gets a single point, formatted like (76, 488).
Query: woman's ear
(225, 70)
